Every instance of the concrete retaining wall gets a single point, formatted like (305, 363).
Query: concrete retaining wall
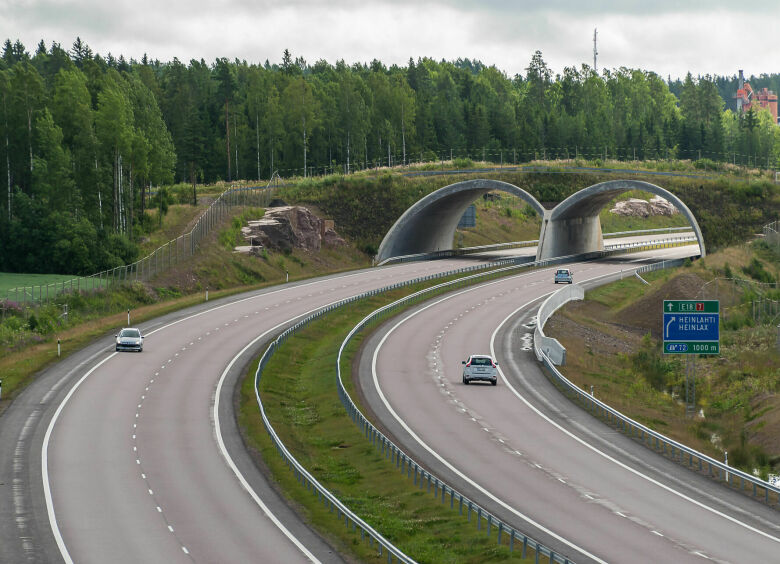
(554, 350)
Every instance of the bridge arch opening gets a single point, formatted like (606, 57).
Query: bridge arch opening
(574, 226)
(429, 225)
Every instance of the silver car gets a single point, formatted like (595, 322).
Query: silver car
(480, 368)
(130, 339)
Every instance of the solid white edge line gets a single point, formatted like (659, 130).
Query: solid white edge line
(45, 464)
(45, 447)
(603, 454)
(440, 458)
(229, 460)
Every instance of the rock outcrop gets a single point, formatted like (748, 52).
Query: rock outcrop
(634, 207)
(287, 227)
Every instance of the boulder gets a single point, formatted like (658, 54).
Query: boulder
(287, 227)
(634, 207)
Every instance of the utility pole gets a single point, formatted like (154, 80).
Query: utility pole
(595, 52)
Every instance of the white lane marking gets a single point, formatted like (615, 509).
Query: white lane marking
(439, 457)
(697, 553)
(159, 509)
(151, 492)
(226, 455)
(184, 548)
(45, 447)
(170, 528)
(45, 463)
(601, 453)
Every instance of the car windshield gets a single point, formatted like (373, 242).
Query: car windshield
(480, 361)
(564, 272)
(132, 333)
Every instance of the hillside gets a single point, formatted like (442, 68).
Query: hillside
(613, 344)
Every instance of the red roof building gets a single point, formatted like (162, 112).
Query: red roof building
(747, 98)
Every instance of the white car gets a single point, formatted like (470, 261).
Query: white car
(129, 339)
(480, 368)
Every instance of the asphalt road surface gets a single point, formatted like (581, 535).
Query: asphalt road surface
(119, 452)
(532, 457)
(131, 457)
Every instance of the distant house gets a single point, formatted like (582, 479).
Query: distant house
(747, 98)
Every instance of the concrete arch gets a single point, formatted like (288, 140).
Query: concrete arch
(429, 225)
(574, 227)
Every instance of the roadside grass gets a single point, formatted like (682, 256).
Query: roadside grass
(300, 397)
(738, 407)
(19, 366)
(176, 222)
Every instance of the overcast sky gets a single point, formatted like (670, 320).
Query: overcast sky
(666, 36)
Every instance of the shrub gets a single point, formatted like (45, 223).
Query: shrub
(463, 163)
(757, 271)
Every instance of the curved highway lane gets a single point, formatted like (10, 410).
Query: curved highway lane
(529, 455)
(120, 456)
(127, 450)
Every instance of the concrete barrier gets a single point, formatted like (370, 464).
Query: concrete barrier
(554, 350)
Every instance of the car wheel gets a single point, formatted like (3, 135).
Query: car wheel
(466, 381)
(117, 349)
(494, 382)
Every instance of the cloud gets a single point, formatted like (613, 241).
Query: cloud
(703, 37)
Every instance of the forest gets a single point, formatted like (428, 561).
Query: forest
(86, 138)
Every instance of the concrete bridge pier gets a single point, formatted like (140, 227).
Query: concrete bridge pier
(570, 236)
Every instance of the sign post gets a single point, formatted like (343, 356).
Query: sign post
(691, 327)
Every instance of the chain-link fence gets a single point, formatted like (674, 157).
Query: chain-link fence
(163, 258)
(772, 234)
(742, 300)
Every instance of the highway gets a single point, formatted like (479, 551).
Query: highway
(532, 457)
(131, 457)
(121, 454)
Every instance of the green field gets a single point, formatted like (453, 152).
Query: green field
(9, 283)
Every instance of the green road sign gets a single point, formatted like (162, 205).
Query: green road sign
(691, 326)
(691, 306)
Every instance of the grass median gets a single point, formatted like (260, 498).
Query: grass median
(299, 392)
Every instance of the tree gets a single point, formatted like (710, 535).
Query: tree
(114, 126)
(227, 86)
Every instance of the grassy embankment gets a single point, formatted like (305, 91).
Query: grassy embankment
(28, 336)
(301, 400)
(614, 343)
(364, 207)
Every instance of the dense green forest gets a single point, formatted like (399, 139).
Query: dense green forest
(85, 136)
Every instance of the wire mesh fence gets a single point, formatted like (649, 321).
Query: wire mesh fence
(161, 259)
(772, 234)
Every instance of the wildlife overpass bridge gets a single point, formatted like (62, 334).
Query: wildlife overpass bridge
(571, 227)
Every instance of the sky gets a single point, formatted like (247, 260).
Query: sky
(668, 37)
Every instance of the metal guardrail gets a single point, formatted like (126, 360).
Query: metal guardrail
(410, 467)
(636, 245)
(387, 448)
(161, 259)
(644, 231)
(658, 442)
(458, 252)
(650, 245)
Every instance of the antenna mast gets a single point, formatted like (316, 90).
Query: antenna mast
(595, 52)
